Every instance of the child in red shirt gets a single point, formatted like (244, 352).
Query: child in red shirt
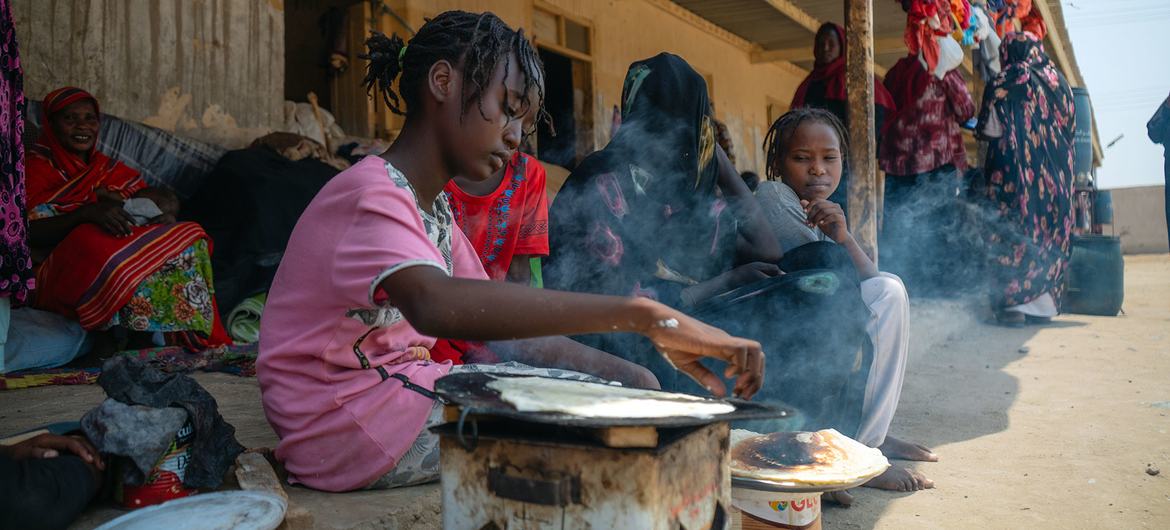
(505, 217)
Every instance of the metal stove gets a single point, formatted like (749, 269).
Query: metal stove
(504, 469)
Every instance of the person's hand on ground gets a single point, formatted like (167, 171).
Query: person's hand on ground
(684, 341)
(52, 445)
(109, 216)
(829, 217)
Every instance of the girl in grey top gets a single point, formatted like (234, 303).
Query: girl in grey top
(805, 153)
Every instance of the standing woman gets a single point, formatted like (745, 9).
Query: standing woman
(1158, 128)
(16, 277)
(825, 88)
(1028, 121)
(924, 159)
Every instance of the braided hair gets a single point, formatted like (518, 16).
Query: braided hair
(776, 141)
(473, 42)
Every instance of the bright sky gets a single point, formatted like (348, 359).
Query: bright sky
(1121, 47)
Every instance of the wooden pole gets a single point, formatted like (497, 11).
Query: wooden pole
(863, 184)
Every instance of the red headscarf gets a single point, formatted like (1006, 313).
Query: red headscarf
(58, 176)
(833, 75)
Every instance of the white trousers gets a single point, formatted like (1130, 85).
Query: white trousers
(889, 330)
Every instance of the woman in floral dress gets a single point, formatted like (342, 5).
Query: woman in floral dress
(1028, 121)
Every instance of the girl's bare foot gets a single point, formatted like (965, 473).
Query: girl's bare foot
(900, 479)
(841, 498)
(902, 450)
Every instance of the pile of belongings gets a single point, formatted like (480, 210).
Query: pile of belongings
(146, 408)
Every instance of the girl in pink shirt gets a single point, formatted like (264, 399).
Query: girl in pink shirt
(375, 270)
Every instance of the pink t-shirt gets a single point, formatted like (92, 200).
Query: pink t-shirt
(341, 425)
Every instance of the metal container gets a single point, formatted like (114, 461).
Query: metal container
(165, 480)
(761, 510)
(1095, 276)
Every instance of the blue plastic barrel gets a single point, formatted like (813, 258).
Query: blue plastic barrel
(1103, 208)
(1096, 276)
(1083, 135)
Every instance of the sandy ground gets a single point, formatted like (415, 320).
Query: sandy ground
(1039, 427)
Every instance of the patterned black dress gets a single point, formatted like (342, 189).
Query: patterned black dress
(1028, 121)
(16, 278)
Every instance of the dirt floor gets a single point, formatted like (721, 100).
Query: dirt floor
(1038, 427)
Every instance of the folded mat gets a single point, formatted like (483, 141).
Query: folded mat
(243, 322)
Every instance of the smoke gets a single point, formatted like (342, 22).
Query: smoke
(635, 203)
(934, 234)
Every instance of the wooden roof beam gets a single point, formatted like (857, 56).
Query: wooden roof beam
(796, 14)
(805, 53)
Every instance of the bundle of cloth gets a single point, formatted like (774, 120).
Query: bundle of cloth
(930, 21)
(249, 205)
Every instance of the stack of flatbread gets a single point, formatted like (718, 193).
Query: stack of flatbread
(824, 458)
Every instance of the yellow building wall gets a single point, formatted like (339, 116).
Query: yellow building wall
(629, 30)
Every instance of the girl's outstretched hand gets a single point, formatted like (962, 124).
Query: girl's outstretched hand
(684, 341)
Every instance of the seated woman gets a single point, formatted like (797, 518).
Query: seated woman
(806, 151)
(824, 88)
(100, 264)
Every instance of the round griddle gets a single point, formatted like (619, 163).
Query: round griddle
(471, 393)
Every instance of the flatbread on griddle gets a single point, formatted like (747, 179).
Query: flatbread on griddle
(594, 400)
(822, 458)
